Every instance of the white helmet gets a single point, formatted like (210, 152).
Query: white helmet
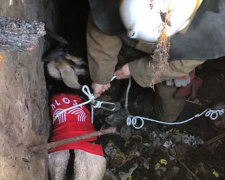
(144, 19)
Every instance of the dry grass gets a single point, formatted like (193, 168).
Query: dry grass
(161, 54)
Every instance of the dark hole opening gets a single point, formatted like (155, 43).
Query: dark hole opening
(73, 20)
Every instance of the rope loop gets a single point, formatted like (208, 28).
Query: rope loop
(87, 92)
(213, 114)
(129, 119)
(91, 97)
(135, 119)
(98, 104)
(132, 120)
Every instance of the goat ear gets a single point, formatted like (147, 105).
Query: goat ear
(77, 60)
(69, 77)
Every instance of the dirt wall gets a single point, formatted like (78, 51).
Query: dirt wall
(23, 105)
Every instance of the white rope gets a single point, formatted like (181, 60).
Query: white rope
(133, 120)
(91, 97)
(213, 114)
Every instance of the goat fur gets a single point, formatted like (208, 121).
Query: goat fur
(63, 74)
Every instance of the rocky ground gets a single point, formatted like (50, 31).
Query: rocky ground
(190, 151)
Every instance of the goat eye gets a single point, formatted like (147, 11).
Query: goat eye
(71, 63)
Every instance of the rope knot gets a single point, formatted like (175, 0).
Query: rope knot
(98, 104)
(87, 92)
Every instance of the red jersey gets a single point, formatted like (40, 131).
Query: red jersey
(74, 122)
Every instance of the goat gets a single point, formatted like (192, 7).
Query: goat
(64, 76)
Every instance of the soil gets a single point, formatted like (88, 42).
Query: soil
(23, 107)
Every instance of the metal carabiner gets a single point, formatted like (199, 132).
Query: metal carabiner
(109, 106)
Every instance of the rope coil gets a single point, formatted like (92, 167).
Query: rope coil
(213, 114)
(134, 120)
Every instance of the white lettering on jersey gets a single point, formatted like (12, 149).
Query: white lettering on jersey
(66, 100)
(61, 117)
(81, 116)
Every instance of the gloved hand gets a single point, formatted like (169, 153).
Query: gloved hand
(179, 81)
(182, 81)
(192, 88)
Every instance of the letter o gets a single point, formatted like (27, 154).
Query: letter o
(66, 100)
